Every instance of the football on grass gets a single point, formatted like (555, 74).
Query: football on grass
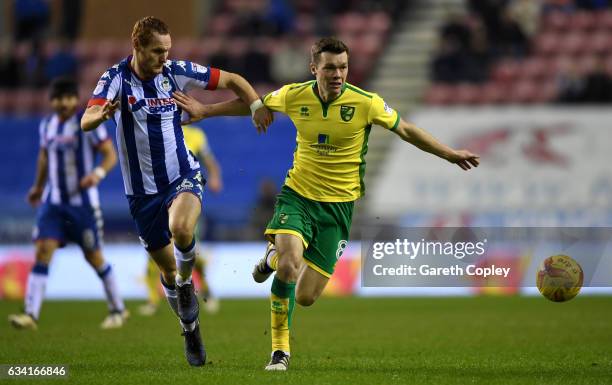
(559, 278)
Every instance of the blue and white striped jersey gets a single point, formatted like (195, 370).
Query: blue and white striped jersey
(71, 155)
(151, 147)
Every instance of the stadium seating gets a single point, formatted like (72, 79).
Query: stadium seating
(564, 40)
(365, 33)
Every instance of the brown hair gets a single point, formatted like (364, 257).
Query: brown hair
(327, 44)
(144, 28)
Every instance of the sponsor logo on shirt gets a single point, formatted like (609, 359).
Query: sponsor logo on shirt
(198, 68)
(323, 146)
(63, 142)
(153, 105)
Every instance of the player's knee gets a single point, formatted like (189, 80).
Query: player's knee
(288, 266)
(168, 273)
(44, 251)
(181, 231)
(305, 299)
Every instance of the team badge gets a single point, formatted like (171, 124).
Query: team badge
(283, 218)
(347, 113)
(165, 84)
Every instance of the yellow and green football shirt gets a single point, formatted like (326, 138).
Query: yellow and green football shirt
(196, 141)
(332, 138)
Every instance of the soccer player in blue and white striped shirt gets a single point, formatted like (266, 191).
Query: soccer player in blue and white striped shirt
(66, 181)
(163, 181)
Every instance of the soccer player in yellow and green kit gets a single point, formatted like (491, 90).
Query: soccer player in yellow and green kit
(312, 219)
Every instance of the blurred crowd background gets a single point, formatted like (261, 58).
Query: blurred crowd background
(420, 55)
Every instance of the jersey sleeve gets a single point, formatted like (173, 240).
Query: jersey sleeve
(276, 100)
(42, 133)
(98, 136)
(107, 87)
(189, 75)
(383, 115)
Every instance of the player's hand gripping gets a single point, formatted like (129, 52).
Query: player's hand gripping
(34, 195)
(464, 159)
(108, 110)
(196, 110)
(262, 118)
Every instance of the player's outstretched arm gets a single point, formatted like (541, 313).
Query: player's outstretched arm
(426, 142)
(36, 191)
(198, 111)
(96, 115)
(248, 102)
(109, 160)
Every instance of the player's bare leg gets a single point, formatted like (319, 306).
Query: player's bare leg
(310, 286)
(37, 282)
(118, 314)
(288, 261)
(183, 216)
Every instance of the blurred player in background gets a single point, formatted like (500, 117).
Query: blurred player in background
(162, 179)
(65, 183)
(197, 143)
(314, 209)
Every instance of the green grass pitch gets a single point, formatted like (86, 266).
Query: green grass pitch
(489, 340)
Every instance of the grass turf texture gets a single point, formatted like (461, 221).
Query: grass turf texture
(338, 341)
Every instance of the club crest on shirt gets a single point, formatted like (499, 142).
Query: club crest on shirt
(164, 84)
(347, 113)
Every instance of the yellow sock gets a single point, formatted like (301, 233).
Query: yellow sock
(152, 280)
(282, 302)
